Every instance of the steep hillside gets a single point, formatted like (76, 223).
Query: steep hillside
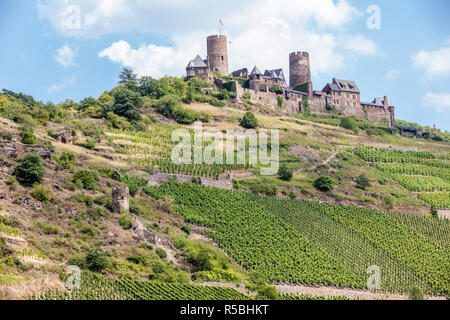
(376, 203)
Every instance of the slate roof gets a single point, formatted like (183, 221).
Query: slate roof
(346, 85)
(197, 62)
(377, 102)
(275, 74)
(255, 71)
(333, 87)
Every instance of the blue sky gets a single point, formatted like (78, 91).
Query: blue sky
(58, 49)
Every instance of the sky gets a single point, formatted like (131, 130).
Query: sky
(72, 49)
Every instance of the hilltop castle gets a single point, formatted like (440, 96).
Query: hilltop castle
(298, 96)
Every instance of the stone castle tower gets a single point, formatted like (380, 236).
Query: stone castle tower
(299, 69)
(120, 199)
(217, 53)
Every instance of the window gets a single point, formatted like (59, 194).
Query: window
(200, 70)
(222, 58)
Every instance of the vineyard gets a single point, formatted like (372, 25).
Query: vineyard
(289, 241)
(97, 287)
(152, 149)
(424, 172)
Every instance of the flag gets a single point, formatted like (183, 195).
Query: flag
(220, 21)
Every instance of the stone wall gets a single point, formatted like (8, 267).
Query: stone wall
(120, 199)
(375, 114)
(160, 178)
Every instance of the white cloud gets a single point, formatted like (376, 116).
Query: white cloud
(392, 74)
(439, 101)
(261, 32)
(434, 62)
(64, 56)
(67, 82)
(360, 44)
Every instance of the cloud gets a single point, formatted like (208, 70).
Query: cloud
(67, 82)
(392, 74)
(260, 32)
(435, 62)
(64, 56)
(439, 101)
(360, 44)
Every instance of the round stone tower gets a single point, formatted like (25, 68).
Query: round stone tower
(299, 68)
(217, 53)
(120, 199)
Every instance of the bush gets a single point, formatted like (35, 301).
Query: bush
(82, 198)
(28, 138)
(133, 183)
(86, 179)
(88, 144)
(285, 173)
(67, 159)
(324, 183)
(46, 228)
(264, 187)
(416, 294)
(280, 101)
(161, 253)
(388, 202)
(249, 121)
(30, 170)
(184, 115)
(95, 260)
(350, 124)
(125, 221)
(362, 182)
(186, 229)
(41, 193)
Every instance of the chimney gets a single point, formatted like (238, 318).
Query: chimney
(386, 103)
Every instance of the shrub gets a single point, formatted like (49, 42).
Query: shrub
(95, 260)
(86, 179)
(280, 101)
(388, 201)
(324, 183)
(350, 124)
(134, 183)
(46, 228)
(30, 170)
(184, 115)
(186, 229)
(264, 187)
(67, 159)
(41, 193)
(89, 144)
(125, 221)
(249, 121)
(285, 173)
(161, 253)
(416, 294)
(362, 182)
(82, 198)
(28, 138)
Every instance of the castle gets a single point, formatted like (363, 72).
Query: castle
(270, 87)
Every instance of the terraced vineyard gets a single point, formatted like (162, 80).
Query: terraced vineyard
(416, 171)
(317, 243)
(97, 287)
(152, 149)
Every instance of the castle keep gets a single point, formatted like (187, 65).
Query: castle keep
(270, 87)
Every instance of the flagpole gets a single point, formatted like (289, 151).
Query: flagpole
(220, 28)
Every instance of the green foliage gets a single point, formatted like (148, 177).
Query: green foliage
(83, 198)
(47, 228)
(133, 183)
(416, 294)
(30, 170)
(126, 103)
(86, 179)
(350, 124)
(67, 159)
(302, 87)
(285, 172)
(41, 193)
(276, 89)
(249, 121)
(230, 86)
(184, 115)
(161, 253)
(305, 105)
(324, 183)
(362, 182)
(28, 138)
(280, 102)
(94, 260)
(125, 221)
(389, 201)
(186, 229)
(263, 186)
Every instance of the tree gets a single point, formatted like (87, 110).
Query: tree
(126, 103)
(249, 121)
(362, 182)
(126, 75)
(30, 170)
(350, 124)
(324, 183)
(285, 173)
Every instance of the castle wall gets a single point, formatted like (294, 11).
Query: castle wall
(217, 54)
(376, 114)
(318, 103)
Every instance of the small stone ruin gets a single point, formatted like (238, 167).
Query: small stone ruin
(120, 199)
